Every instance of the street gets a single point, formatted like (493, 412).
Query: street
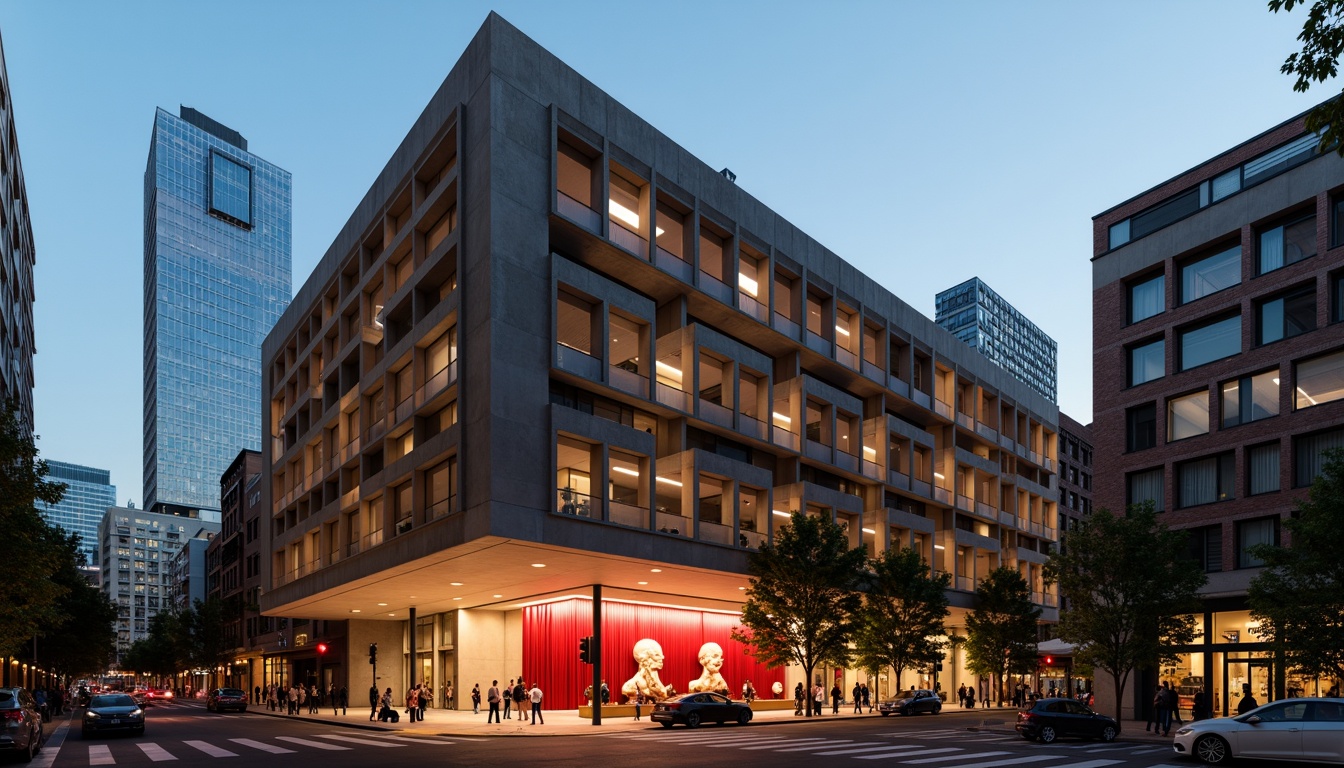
(188, 735)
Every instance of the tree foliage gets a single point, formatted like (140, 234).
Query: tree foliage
(80, 640)
(901, 622)
(1131, 588)
(803, 597)
(1322, 39)
(28, 594)
(1001, 629)
(1299, 597)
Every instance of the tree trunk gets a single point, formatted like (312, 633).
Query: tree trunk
(809, 702)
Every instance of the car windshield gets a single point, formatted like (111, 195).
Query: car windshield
(230, 692)
(906, 695)
(6, 697)
(111, 701)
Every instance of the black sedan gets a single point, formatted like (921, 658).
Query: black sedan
(696, 708)
(113, 712)
(912, 702)
(220, 699)
(1048, 719)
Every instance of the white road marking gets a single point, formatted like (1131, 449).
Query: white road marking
(417, 739)
(1090, 764)
(818, 745)
(311, 743)
(155, 752)
(353, 740)
(956, 757)
(777, 743)
(904, 755)
(884, 747)
(263, 746)
(210, 749)
(1012, 761)
(100, 754)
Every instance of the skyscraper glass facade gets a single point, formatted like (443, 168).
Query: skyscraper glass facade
(217, 277)
(88, 494)
(983, 319)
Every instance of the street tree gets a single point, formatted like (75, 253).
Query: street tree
(901, 622)
(28, 594)
(1001, 629)
(1322, 39)
(209, 645)
(80, 640)
(1131, 589)
(1299, 597)
(803, 597)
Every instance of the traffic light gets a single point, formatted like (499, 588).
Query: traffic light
(1049, 661)
(585, 650)
(321, 649)
(373, 653)
(938, 666)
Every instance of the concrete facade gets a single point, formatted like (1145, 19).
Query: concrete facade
(17, 257)
(551, 349)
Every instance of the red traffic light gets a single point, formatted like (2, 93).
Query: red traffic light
(1049, 660)
(321, 648)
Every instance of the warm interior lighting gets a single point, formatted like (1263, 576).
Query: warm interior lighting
(382, 605)
(669, 371)
(624, 214)
(655, 570)
(869, 450)
(781, 417)
(842, 331)
(747, 284)
(538, 565)
(939, 546)
(354, 610)
(625, 471)
(1309, 398)
(669, 481)
(496, 595)
(454, 583)
(869, 530)
(457, 598)
(1276, 381)
(939, 475)
(742, 588)
(641, 582)
(781, 514)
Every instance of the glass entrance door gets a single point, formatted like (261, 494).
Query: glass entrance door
(1255, 670)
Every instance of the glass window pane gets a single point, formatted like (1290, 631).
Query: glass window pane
(1120, 234)
(1262, 467)
(1211, 274)
(1147, 362)
(1147, 298)
(1188, 416)
(1320, 380)
(230, 188)
(1207, 343)
(1226, 184)
(1147, 486)
(1251, 533)
(1250, 399)
(1141, 423)
(1287, 316)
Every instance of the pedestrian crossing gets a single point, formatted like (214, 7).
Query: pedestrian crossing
(194, 749)
(937, 748)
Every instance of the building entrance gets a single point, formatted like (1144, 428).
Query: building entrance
(1257, 669)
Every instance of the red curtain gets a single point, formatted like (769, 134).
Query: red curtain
(551, 634)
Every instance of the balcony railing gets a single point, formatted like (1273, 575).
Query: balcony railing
(942, 495)
(673, 397)
(1007, 518)
(965, 583)
(847, 461)
(965, 420)
(785, 439)
(989, 433)
(629, 240)
(352, 548)
(965, 503)
(628, 381)
(898, 479)
(628, 514)
(942, 409)
(716, 414)
(754, 427)
(405, 408)
(577, 362)
(578, 213)
(716, 288)
(987, 511)
(442, 508)
(570, 502)
(716, 532)
(436, 383)
(669, 523)
(846, 358)
(872, 470)
(373, 539)
(376, 430)
(750, 539)
(753, 307)
(351, 449)
(785, 326)
(673, 264)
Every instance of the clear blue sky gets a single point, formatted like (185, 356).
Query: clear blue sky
(925, 143)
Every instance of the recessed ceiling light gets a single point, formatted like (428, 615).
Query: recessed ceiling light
(382, 605)
(391, 614)
(354, 610)
(743, 588)
(655, 570)
(412, 597)
(457, 598)
(454, 583)
(643, 582)
(538, 565)
(498, 595)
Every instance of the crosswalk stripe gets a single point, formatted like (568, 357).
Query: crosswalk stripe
(353, 740)
(784, 743)
(263, 746)
(418, 739)
(945, 758)
(1090, 764)
(818, 745)
(1111, 748)
(155, 752)
(885, 747)
(100, 754)
(688, 738)
(311, 743)
(904, 755)
(1011, 761)
(210, 749)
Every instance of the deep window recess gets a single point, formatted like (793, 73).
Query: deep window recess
(1262, 469)
(1147, 362)
(1147, 298)
(1251, 533)
(1337, 221)
(1147, 486)
(230, 189)
(1337, 297)
(1211, 274)
(1288, 315)
(1205, 481)
(1206, 547)
(1320, 380)
(1288, 243)
(1250, 398)
(1188, 416)
(1209, 342)
(1309, 455)
(1141, 427)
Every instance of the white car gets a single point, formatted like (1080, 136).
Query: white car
(1310, 730)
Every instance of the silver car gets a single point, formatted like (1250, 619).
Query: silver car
(1309, 730)
(20, 723)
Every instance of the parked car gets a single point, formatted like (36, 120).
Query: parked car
(1048, 719)
(1310, 730)
(220, 699)
(113, 712)
(20, 723)
(912, 703)
(692, 709)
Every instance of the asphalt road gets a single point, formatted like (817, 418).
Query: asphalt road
(187, 735)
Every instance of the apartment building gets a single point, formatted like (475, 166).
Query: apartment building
(1219, 374)
(88, 494)
(17, 257)
(1075, 472)
(979, 316)
(553, 362)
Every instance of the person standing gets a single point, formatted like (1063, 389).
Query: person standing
(858, 699)
(818, 699)
(1155, 713)
(413, 701)
(476, 699)
(345, 700)
(798, 699)
(639, 703)
(519, 696)
(373, 702)
(1201, 704)
(425, 695)
(508, 699)
(385, 711)
(535, 696)
(448, 695)
(1169, 704)
(867, 698)
(492, 698)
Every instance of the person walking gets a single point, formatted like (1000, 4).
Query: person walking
(426, 693)
(1154, 713)
(476, 699)
(373, 702)
(1169, 704)
(344, 700)
(858, 699)
(867, 698)
(1248, 701)
(535, 695)
(798, 700)
(1200, 710)
(519, 696)
(492, 698)
(413, 701)
(508, 699)
(639, 703)
(970, 698)
(448, 695)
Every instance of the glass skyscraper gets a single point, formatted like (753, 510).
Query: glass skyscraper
(88, 494)
(217, 277)
(986, 321)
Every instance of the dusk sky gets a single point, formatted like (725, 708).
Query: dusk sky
(925, 143)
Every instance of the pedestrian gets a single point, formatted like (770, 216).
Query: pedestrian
(492, 698)
(970, 697)
(508, 699)
(256, 694)
(448, 695)
(858, 699)
(535, 696)
(345, 700)
(798, 700)
(373, 702)
(314, 700)
(476, 699)
(426, 693)
(385, 711)
(1154, 713)
(818, 699)
(606, 693)
(1201, 704)
(961, 696)
(836, 696)
(413, 701)
(748, 692)
(639, 703)
(331, 696)
(520, 696)
(1248, 701)
(867, 698)
(1169, 704)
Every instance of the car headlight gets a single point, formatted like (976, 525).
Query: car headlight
(90, 715)
(138, 713)
(1183, 731)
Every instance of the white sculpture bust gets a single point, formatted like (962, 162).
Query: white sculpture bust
(711, 659)
(649, 656)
